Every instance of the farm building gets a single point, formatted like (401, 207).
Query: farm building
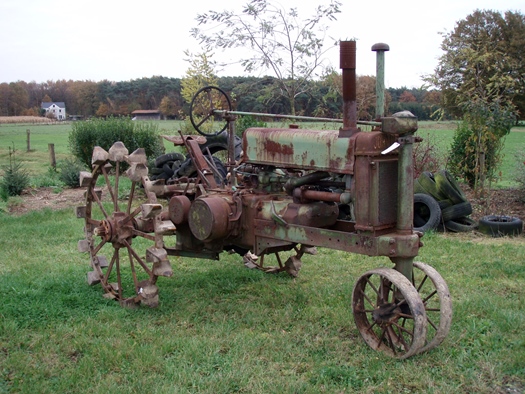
(56, 108)
(142, 114)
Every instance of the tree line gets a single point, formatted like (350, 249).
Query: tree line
(249, 94)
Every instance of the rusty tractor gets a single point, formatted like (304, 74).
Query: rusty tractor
(290, 191)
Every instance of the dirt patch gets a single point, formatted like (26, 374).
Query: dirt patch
(506, 202)
(46, 197)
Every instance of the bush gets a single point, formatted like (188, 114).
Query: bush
(482, 131)
(245, 122)
(427, 156)
(15, 179)
(70, 172)
(85, 135)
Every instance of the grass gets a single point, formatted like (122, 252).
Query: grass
(222, 328)
(37, 160)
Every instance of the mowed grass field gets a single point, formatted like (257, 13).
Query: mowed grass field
(221, 328)
(37, 160)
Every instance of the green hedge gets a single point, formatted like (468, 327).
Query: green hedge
(85, 135)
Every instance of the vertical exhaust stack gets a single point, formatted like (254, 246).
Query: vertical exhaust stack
(347, 64)
(380, 48)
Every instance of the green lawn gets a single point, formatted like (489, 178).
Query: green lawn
(222, 328)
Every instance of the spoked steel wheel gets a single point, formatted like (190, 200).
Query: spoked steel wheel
(434, 293)
(389, 313)
(205, 111)
(117, 231)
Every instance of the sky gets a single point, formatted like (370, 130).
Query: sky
(121, 40)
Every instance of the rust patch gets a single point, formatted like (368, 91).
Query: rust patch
(279, 149)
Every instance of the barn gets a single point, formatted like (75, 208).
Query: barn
(144, 114)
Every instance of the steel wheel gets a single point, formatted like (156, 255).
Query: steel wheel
(434, 293)
(205, 110)
(116, 230)
(389, 313)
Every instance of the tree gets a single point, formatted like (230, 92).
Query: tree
(481, 74)
(483, 59)
(18, 98)
(407, 97)
(168, 107)
(274, 38)
(201, 73)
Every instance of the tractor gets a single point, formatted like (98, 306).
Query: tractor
(283, 191)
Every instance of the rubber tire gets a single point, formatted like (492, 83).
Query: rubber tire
(445, 204)
(499, 226)
(167, 168)
(188, 169)
(427, 209)
(163, 159)
(448, 186)
(155, 171)
(427, 185)
(461, 225)
(456, 211)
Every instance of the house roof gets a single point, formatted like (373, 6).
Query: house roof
(59, 104)
(145, 112)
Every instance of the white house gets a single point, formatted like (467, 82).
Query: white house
(58, 109)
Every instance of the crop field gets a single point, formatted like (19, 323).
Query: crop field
(222, 328)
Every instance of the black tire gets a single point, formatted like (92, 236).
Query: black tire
(418, 188)
(167, 168)
(188, 169)
(219, 143)
(155, 171)
(499, 226)
(456, 211)
(427, 211)
(448, 186)
(427, 185)
(461, 225)
(163, 159)
(444, 204)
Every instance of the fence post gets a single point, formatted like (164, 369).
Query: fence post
(28, 140)
(52, 157)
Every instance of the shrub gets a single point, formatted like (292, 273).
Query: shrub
(480, 134)
(70, 172)
(245, 122)
(427, 156)
(85, 135)
(15, 179)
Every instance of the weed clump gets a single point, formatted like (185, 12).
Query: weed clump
(70, 172)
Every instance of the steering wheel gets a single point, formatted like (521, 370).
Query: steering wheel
(207, 109)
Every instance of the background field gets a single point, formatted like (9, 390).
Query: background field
(37, 160)
(221, 328)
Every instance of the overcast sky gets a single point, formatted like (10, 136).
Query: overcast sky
(120, 40)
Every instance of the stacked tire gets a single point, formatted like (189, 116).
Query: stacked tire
(176, 165)
(440, 204)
